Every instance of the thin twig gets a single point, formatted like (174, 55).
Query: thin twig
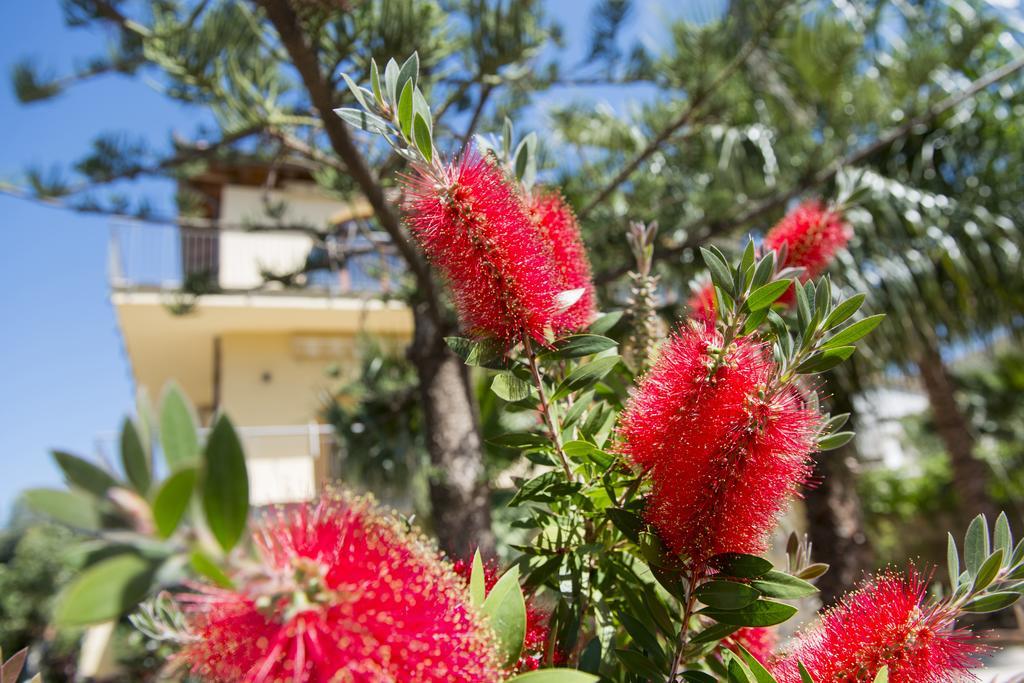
(545, 405)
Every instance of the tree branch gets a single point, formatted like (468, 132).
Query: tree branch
(825, 175)
(485, 92)
(306, 61)
(687, 115)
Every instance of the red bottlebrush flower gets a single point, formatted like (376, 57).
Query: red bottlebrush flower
(343, 594)
(558, 227)
(884, 623)
(538, 627)
(760, 642)
(812, 235)
(702, 305)
(477, 231)
(723, 458)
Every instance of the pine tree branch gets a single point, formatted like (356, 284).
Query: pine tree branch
(685, 117)
(153, 219)
(485, 92)
(700, 231)
(307, 64)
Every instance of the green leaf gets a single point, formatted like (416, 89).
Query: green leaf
(105, 591)
(1003, 538)
(83, 474)
(206, 567)
(952, 560)
(422, 138)
(759, 613)
(356, 91)
(833, 441)
(536, 489)
(605, 322)
(629, 523)
(738, 672)
(714, 633)
(812, 571)
(178, 429)
(805, 675)
(987, 572)
(719, 269)
(761, 674)
(765, 295)
(579, 345)
(510, 388)
(584, 450)
(590, 659)
(883, 675)
(993, 602)
(642, 635)
(405, 110)
(554, 676)
(72, 508)
(976, 545)
(485, 354)
(477, 581)
(776, 584)
(364, 120)
(843, 311)
(505, 610)
(525, 160)
(134, 458)
(854, 331)
(825, 359)
(585, 376)
(409, 73)
(225, 484)
(172, 499)
(741, 566)
(834, 422)
(520, 440)
(726, 594)
(391, 81)
(698, 677)
(639, 664)
(375, 82)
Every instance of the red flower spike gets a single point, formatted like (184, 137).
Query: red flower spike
(557, 225)
(343, 595)
(538, 628)
(812, 234)
(723, 458)
(702, 305)
(884, 623)
(760, 642)
(477, 231)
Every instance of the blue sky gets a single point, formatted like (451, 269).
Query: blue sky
(64, 375)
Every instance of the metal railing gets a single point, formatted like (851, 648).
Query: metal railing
(351, 261)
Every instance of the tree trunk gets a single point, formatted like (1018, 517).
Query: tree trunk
(459, 494)
(970, 475)
(458, 489)
(834, 514)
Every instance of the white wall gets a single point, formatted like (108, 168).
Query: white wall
(242, 254)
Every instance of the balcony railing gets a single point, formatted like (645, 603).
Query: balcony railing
(349, 262)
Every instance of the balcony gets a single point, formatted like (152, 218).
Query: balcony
(351, 262)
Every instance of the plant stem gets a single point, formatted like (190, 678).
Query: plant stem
(691, 598)
(545, 405)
